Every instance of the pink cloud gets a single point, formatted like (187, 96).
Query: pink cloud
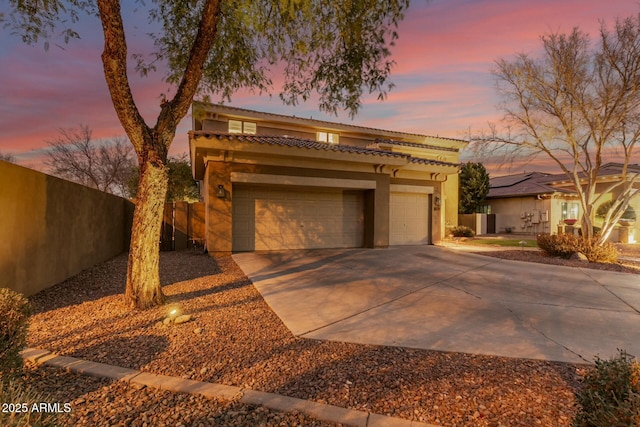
(446, 34)
(443, 84)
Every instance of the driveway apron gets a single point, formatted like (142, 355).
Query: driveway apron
(435, 298)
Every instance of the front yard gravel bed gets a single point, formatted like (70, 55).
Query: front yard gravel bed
(103, 402)
(235, 339)
(538, 256)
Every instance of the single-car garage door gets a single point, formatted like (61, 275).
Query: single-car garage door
(409, 218)
(272, 219)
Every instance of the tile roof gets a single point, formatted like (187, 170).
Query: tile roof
(296, 142)
(287, 141)
(423, 161)
(379, 141)
(326, 123)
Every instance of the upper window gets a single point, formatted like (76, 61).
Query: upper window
(237, 126)
(328, 137)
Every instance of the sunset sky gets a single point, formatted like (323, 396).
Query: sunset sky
(443, 84)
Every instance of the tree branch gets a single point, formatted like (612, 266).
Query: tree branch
(174, 110)
(114, 59)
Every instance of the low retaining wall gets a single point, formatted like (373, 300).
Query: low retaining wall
(51, 229)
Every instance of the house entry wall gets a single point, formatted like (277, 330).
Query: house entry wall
(275, 218)
(409, 215)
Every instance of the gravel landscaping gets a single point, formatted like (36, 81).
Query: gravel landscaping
(623, 266)
(235, 339)
(102, 402)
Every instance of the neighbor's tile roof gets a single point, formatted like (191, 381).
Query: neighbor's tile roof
(315, 145)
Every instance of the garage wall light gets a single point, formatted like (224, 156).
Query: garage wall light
(221, 193)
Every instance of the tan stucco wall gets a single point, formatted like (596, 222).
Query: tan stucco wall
(52, 229)
(218, 219)
(508, 213)
(450, 200)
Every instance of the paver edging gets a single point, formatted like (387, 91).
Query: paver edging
(320, 411)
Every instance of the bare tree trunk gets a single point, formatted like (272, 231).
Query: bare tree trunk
(143, 288)
(587, 222)
(151, 144)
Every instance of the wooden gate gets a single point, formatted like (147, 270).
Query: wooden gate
(183, 226)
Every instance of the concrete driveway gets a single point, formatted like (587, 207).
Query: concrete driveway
(440, 299)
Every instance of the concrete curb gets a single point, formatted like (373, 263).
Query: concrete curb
(274, 401)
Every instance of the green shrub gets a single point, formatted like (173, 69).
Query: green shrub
(15, 310)
(563, 245)
(15, 392)
(462, 231)
(611, 394)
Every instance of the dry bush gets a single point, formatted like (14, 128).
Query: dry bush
(462, 231)
(15, 310)
(564, 245)
(20, 411)
(611, 394)
(604, 253)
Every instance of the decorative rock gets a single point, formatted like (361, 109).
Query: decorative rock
(197, 330)
(182, 319)
(578, 256)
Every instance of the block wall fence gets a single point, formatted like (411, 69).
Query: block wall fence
(51, 229)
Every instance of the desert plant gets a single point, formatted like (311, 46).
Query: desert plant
(15, 310)
(462, 231)
(605, 252)
(611, 394)
(564, 245)
(19, 411)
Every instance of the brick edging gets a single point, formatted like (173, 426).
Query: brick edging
(274, 401)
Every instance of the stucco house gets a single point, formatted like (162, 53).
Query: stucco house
(273, 182)
(536, 202)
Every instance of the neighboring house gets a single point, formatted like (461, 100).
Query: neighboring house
(274, 182)
(538, 202)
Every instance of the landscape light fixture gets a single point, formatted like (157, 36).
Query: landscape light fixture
(221, 191)
(174, 311)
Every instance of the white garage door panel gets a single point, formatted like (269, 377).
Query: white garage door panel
(268, 219)
(408, 219)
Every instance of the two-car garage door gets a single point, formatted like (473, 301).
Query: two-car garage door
(272, 218)
(275, 218)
